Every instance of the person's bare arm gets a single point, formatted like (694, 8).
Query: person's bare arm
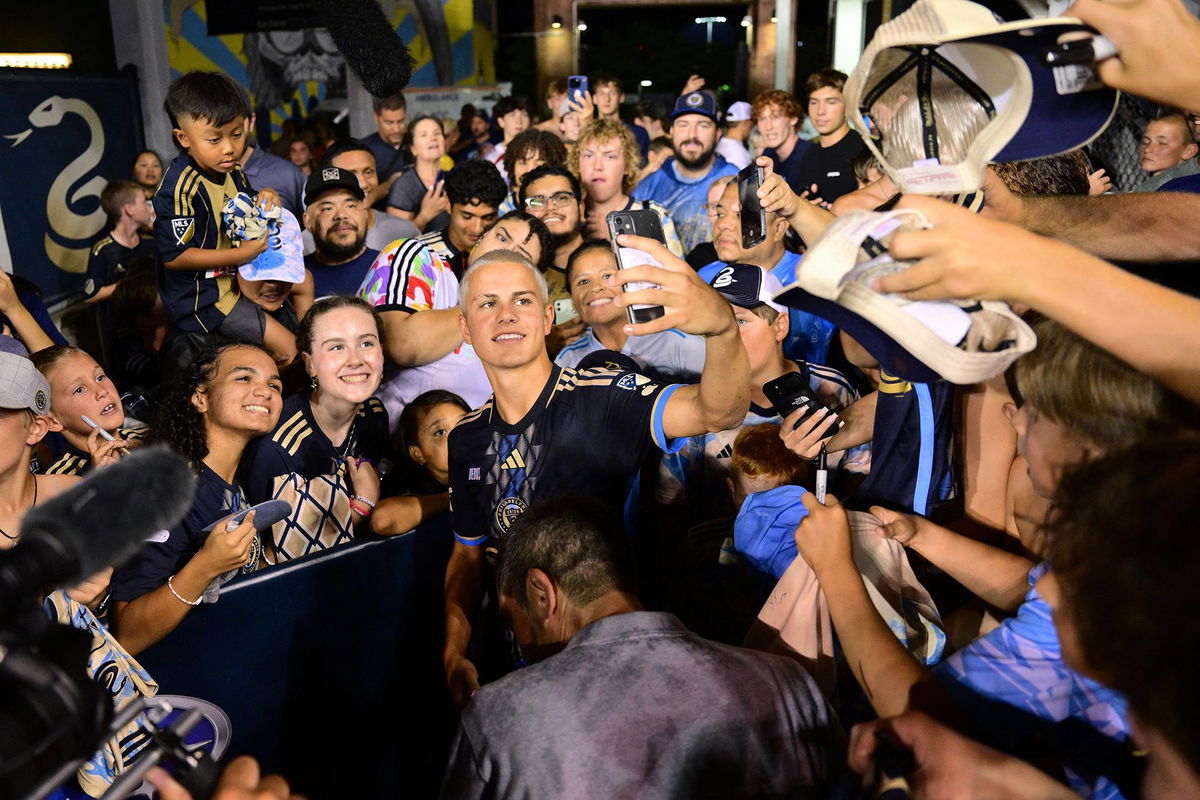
(996, 576)
(464, 592)
(868, 198)
(394, 515)
(195, 259)
(807, 220)
(145, 620)
(414, 339)
(304, 295)
(886, 671)
(24, 325)
(722, 397)
(965, 256)
(1141, 226)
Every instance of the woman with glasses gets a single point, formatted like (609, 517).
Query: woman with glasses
(419, 194)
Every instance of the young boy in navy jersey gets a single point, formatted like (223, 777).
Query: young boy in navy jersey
(197, 279)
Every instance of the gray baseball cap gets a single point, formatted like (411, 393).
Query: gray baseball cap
(21, 385)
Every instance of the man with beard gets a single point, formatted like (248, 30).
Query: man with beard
(351, 155)
(337, 216)
(475, 189)
(387, 143)
(553, 195)
(681, 184)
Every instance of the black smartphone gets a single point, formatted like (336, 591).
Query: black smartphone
(754, 219)
(638, 222)
(790, 391)
(577, 87)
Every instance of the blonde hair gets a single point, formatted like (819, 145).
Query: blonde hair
(606, 130)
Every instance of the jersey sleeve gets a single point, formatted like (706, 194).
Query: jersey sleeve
(97, 273)
(262, 462)
(160, 558)
(181, 217)
(633, 403)
(469, 520)
(404, 277)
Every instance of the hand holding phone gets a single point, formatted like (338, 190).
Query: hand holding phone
(753, 217)
(577, 87)
(792, 390)
(639, 222)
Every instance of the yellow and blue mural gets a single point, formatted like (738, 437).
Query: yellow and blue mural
(289, 73)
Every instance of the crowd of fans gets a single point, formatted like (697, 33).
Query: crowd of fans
(647, 594)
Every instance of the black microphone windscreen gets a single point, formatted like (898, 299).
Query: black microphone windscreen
(370, 46)
(107, 517)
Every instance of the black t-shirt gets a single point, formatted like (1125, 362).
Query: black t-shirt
(166, 552)
(586, 434)
(829, 168)
(789, 167)
(298, 463)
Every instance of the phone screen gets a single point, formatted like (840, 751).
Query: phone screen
(753, 218)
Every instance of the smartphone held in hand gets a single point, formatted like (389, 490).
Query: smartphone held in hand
(753, 218)
(638, 222)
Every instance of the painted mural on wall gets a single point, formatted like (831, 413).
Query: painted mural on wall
(289, 74)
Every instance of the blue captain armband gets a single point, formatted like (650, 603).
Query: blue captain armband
(470, 541)
(656, 421)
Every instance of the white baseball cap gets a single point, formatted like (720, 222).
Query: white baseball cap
(738, 112)
(964, 342)
(950, 88)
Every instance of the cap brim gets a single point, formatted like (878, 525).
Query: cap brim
(891, 355)
(1056, 123)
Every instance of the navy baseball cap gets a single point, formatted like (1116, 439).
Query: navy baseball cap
(702, 102)
(747, 286)
(327, 178)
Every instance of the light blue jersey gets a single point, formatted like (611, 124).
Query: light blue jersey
(670, 354)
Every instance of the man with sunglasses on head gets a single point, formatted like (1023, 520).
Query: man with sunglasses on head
(552, 194)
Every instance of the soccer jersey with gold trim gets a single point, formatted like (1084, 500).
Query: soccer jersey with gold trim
(187, 209)
(298, 463)
(74, 461)
(586, 434)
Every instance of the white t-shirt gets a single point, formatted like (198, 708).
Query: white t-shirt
(734, 151)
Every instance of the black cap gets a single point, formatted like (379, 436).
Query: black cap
(747, 286)
(327, 178)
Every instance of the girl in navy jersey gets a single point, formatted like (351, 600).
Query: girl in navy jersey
(324, 456)
(228, 396)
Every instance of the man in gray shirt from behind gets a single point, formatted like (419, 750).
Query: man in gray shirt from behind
(628, 703)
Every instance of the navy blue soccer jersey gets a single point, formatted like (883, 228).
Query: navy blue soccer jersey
(70, 460)
(911, 449)
(188, 206)
(109, 260)
(298, 463)
(586, 434)
(166, 552)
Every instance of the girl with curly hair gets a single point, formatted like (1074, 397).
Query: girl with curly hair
(228, 396)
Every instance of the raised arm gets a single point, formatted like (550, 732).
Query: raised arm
(807, 220)
(1144, 324)
(722, 397)
(414, 339)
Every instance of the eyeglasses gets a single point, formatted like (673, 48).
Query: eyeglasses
(553, 201)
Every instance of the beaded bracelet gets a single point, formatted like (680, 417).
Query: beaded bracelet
(363, 500)
(180, 597)
(362, 511)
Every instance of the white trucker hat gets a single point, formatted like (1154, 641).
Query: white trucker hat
(950, 88)
(963, 342)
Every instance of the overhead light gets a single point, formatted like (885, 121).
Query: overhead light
(582, 26)
(35, 60)
(556, 22)
(746, 21)
(645, 84)
(772, 20)
(703, 20)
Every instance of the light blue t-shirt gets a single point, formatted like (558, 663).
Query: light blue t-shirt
(808, 335)
(683, 199)
(1020, 665)
(670, 354)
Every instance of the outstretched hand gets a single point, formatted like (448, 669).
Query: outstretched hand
(823, 537)
(690, 304)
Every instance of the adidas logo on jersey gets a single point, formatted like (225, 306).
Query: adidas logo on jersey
(514, 461)
(726, 452)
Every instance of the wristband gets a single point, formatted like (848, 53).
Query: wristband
(180, 597)
(363, 500)
(362, 511)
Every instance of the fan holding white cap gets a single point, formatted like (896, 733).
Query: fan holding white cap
(951, 88)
